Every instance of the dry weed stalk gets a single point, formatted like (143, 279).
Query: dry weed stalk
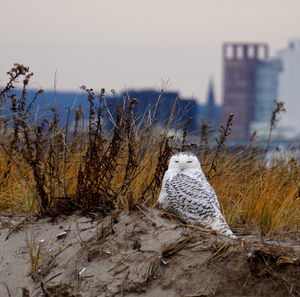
(224, 133)
(205, 131)
(79, 170)
(36, 255)
(47, 169)
(275, 119)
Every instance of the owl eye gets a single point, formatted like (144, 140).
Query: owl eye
(189, 161)
(176, 161)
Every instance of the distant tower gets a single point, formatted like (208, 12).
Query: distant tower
(266, 91)
(211, 114)
(239, 72)
(289, 89)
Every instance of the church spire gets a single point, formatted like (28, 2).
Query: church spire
(210, 104)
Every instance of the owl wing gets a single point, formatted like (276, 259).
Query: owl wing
(188, 195)
(211, 195)
(193, 201)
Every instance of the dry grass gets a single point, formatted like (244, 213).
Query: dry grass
(48, 169)
(37, 254)
(253, 193)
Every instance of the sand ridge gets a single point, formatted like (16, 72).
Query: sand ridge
(140, 253)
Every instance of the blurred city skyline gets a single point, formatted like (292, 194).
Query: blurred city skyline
(135, 44)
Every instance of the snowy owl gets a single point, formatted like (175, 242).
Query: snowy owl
(186, 192)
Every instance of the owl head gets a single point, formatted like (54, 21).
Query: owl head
(184, 160)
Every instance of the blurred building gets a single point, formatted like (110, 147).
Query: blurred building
(289, 89)
(167, 108)
(240, 61)
(159, 108)
(211, 111)
(266, 91)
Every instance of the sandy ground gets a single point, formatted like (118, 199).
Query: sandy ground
(141, 253)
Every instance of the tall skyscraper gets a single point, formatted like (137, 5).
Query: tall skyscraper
(240, 61)
(289, 89)
(266, 91)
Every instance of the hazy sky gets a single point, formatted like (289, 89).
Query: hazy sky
(136, 43)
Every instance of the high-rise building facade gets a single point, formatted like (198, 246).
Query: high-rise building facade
(266, 89)
(266, 92)
(240, 61)
(289, 89)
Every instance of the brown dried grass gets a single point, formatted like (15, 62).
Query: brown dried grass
(49, 170)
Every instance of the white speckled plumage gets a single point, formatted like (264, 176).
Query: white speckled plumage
(186, 192)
